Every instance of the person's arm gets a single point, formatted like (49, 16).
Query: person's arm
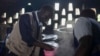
(84, 47)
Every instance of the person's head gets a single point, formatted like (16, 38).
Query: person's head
(88, 13)
(45, 13)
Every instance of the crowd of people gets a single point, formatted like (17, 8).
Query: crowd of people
(25, 38)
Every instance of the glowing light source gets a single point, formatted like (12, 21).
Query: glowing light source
(55, 25)
(29, 4)
(43, 28)
(63, 11)
(5, 22)
(63, 21)
(70, 6)
(77, 11)
(70, 18)
(69, 26)
(49, 22)
(22, 11)
(98, 17)
(56, 16)
(10, 20)
(16, 16)
(57, 6)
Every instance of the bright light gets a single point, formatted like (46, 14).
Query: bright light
(63, 11)
(43, 28)
(4, 15)
(29, 4)
(70, 6)
(98, 17)
(55, 25)
(94, 9)
(57, 6)
(49, 22)
(56, 16)
(77, 11)
(5, 22)
(69, 26)
(22, 11)
(16, 16)
(10, 20)
(63, 21)
(70, 18)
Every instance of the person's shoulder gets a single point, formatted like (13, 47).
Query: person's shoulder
(83, 19)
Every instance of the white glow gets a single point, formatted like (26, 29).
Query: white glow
(70, 6)
(10, 20)
(16, 16)
(69, 26)
(94, 9)
(22, 11)
(5, 22)
(77, 11)
(4, 15)
(63, 21)
(63, 11)
(56, 16)
(43, 28)
(29, 4)
(55, 25)
(57, 6)
(49, 22)
(70, 17)
(98, 17)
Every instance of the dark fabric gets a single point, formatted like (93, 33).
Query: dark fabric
(26, 29)
(5, 51)
(96, 40)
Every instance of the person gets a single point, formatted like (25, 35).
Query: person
(87, 34)
(26, 34)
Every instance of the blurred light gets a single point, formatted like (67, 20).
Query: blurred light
(55, 25)
(4, 15)
(70, 18)
(63, 21)
(77, 11)
(29, 4)
(56, 16)
(63, 11)
(57, 6)
(16, 16)
(94, 9)
(70, 6)
(98, 17)
(10, 20)
(5, 22)
(49, 22)
(22, 11)
(43, 28)
(69, 26)
(76, 20)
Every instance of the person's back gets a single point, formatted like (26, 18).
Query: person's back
(86, 31)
